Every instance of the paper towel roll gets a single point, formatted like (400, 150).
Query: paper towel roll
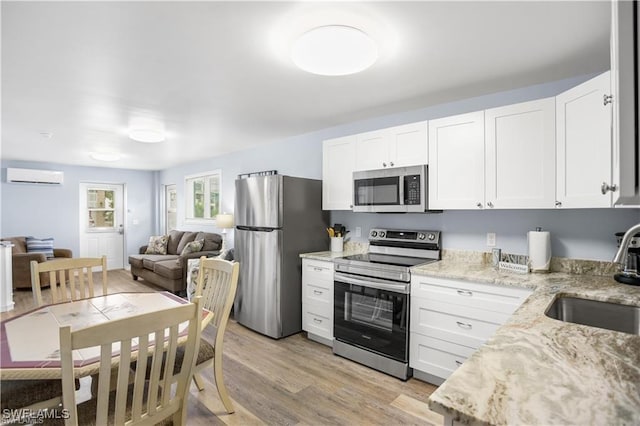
(539, 251)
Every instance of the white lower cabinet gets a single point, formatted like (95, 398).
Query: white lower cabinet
(451, 319)
(317, 300)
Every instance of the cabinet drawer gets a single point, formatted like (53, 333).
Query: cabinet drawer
(437, 357)
(316, 322)
(318, 294)
(454, 323)
(482, 296)
(318, 273)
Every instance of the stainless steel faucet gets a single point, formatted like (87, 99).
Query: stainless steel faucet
(621, 256)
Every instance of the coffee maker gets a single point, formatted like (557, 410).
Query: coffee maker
(630, 274)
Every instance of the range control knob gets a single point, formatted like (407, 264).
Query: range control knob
(432, 237)
(421, 236)
(374, 234)
(381, 234)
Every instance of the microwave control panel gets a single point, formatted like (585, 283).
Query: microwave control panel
(412, 190)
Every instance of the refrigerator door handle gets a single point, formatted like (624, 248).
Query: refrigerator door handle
(255, 228)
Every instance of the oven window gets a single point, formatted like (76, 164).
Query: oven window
(373, 312)
(377, 191)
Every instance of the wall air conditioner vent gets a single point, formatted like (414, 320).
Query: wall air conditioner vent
(45, 177)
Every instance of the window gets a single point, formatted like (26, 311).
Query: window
(203, 196)
(101, 208)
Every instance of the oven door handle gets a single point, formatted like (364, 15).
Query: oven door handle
(378, 284)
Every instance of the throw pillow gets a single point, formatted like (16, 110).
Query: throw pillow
(157, 245)
(192, 247)
(40, 245)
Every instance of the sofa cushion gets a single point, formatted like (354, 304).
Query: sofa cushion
(40, 245)
(211, 241)
(168, 269)
(174, 241)
(157, 244)
(192, 247)
(149, 260)
(187, 237)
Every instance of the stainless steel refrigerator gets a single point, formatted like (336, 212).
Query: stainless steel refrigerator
(277, 218)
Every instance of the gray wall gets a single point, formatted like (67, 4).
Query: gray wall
(53, 211)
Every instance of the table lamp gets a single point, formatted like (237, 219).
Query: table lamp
(224, 221)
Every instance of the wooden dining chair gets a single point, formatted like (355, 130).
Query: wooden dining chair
(217, 284)
(149, 338)
(76, 272)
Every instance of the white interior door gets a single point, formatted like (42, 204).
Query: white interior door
(102, 222)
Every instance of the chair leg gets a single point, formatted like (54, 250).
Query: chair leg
(198, 381)
(222, 390)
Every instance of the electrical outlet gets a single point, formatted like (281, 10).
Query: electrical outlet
(358, 232)
(491, 239)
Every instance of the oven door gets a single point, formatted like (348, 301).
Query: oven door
(372, 314)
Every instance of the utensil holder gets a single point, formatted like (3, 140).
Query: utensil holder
(337, 244)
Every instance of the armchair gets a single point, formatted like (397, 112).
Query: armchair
(21, 262)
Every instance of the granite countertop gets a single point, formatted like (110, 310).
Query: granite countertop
(536, 370)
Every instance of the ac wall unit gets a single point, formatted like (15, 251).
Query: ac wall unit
(48, 177)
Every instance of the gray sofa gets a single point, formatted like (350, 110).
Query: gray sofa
(170, 271)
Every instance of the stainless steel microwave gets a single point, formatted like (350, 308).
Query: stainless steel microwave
(391, 190)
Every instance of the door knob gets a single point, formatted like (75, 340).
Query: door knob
(606, 187)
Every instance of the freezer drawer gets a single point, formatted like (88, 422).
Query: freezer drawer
(258, 299)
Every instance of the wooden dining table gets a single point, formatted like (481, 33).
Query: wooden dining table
(30, 344)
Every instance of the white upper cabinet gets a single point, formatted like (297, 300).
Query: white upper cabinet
(338, 163)
(520, 155)
(583, 143)
(398, 146)
(456, 169)
(408, 146)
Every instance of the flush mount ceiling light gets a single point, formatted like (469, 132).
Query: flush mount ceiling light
(105, 156)
(147, 135)
(334, 50)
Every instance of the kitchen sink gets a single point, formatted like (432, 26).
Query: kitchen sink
(612, 316)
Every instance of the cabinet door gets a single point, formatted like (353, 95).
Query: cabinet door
(408, 145)
(624, 88)
(583, 144)
(521, 155)
(338, 162)
(372, 150)
(456, 169)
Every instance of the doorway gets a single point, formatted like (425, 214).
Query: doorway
(171, 208)
(102, 222)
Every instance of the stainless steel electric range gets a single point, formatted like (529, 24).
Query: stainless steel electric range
(371, 298)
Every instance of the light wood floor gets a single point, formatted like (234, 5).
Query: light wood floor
(290, 381)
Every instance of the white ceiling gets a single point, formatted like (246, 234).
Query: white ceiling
(216, 73)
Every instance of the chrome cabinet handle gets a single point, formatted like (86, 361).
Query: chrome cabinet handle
(319, 321)
(479, 205)
(558, 204)
(606, 188)
(317, 292)
(607, 99)
(384, 164)
(315, 268)
(465, 293)
(391, 164)
(464, 325)
(490, 204)
(458, 362)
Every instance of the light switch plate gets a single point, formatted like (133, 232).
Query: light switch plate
(358, 232)
(491, 239)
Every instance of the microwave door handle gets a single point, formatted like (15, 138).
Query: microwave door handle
(401, 184)
(372, 283)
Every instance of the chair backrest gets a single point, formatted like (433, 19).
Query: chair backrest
(217, 284)
(149, 399)
(78, 272)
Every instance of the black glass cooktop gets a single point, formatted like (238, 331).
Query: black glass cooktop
(387, 259)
